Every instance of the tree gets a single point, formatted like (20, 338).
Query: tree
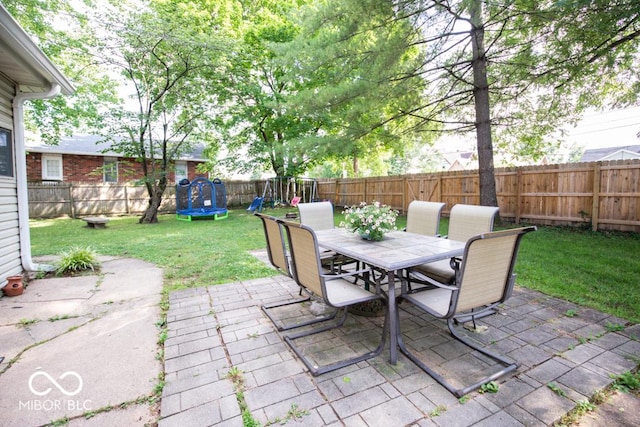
(258, 120)
(176, 74)
(62, 31)
(355, 60)
(290, 113)
(510, 70)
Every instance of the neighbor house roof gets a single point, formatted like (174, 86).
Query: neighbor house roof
(21, 61)
(94, 145)
(611, 153)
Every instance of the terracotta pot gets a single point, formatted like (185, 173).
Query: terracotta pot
(14, 286)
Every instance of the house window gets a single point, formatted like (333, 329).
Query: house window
(6, 154)
(52, 167)
(181, 171)
(110, 169)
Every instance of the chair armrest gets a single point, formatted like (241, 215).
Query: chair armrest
(431, 281)
(331, 276)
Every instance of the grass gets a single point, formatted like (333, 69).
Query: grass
(192, 254)
(593, 269)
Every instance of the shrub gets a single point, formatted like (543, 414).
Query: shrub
(76, 260)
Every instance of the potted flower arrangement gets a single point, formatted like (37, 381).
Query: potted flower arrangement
(371, 222)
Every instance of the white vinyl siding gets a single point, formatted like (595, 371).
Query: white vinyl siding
(10, 263)
(7, 92)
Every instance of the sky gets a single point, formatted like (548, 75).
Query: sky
(614, 128)
(607, 129)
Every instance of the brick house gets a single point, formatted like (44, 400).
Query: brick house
(86, 159)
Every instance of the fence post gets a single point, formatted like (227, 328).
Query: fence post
(126, 199)
(595, 210)
(72, 203)
(405, 186)
(364, 196)
(518, 193)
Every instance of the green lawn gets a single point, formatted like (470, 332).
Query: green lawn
(598, 270)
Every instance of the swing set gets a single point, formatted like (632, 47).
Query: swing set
(285, 191)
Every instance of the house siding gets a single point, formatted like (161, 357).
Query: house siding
(10, 263)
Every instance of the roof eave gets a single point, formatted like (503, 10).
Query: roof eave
(37, 63)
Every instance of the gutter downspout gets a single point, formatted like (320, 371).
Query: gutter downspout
(21, 175)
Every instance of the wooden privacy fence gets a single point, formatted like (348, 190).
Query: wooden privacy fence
(605, 195)
(52, 200)
(76, 200)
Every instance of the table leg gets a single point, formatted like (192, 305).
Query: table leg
(393, 329)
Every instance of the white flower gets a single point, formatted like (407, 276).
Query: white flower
(370, 220)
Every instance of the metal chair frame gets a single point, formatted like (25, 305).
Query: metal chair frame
(482, 283)
(465, 221)
(335, 290)
(278, 257)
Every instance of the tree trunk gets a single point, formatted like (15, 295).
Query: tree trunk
(150, 215)
(488, 195)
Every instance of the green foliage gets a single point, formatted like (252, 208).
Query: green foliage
(556, 389)
(59, 317)
(437, 411)
(66, 45)
(490, 387)
(25, 323)
(359, 65)
(560, 262)
(178, 82)
(614, 327)
(76, 260)
(628, 382)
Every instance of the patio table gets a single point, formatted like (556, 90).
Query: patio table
(397, 251)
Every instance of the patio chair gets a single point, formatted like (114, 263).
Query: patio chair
(276, 249)
(319, 216)
(424, 217)
(483, 280)
(334, 289)
(465, 221)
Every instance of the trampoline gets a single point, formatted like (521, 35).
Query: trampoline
(201, 198)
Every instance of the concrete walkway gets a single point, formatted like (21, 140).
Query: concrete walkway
(565, 352)
(82, 345)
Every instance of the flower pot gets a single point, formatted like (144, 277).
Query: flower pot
(14, 286)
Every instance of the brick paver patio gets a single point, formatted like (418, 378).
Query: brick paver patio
(563, 359)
